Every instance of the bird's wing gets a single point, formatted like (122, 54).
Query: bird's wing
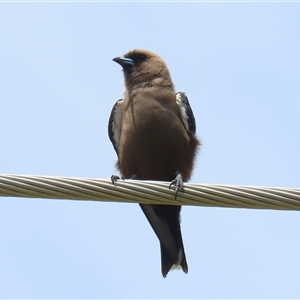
(114, 124)
(186, 112)
(162, 231)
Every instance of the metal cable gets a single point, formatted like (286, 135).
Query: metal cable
(149, 192)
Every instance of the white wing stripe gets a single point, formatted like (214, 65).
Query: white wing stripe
(182, 109)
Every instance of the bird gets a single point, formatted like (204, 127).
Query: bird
(153, 131)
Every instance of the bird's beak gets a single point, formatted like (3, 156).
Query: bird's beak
(124, 61)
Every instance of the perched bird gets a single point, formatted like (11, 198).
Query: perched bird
(153, 133)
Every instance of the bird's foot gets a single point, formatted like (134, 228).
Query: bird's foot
(115, 178)
(178, 184)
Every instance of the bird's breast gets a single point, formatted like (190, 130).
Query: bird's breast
(153, 142)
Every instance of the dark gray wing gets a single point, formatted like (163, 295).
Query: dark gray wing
(162, 231)
(186, 112)
(114, 124)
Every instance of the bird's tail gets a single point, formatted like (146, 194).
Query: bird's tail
(168, 264)
(165, 221)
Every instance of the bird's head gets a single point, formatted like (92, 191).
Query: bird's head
(144, 67)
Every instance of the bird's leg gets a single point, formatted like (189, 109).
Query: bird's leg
(178, 184)
(114, 178)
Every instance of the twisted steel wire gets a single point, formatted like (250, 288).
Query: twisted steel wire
(149, 192)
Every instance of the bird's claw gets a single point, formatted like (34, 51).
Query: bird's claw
(178, 184)
(115, 178)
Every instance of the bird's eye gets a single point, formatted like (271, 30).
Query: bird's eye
(143, 57)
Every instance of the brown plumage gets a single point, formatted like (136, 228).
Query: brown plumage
(153, 133)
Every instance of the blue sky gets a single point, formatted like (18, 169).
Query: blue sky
(239, 64)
